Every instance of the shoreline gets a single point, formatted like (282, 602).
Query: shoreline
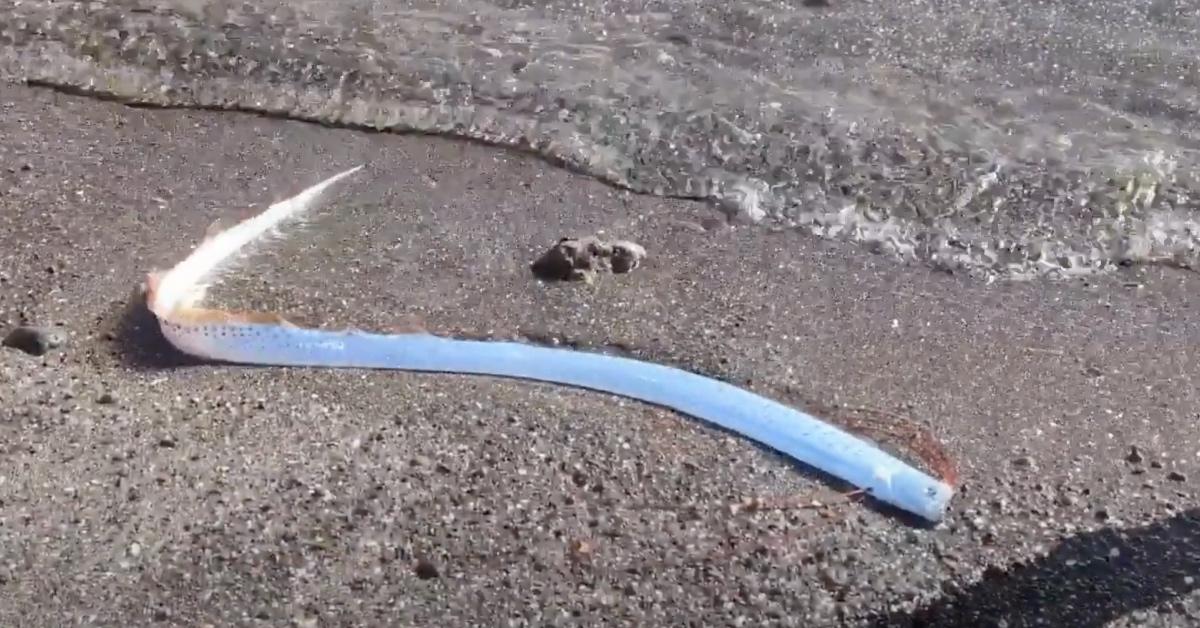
(1037, 390)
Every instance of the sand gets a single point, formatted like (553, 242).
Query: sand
(138, 488)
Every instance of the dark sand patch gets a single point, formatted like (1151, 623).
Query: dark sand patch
(140, 489)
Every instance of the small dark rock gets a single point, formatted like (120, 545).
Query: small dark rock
(555, 264)
(106, 398)
(166, 442)
(35, 340)
(626, 256)
(1023, 461)
(1135, 455)
(1156, 464)
(426, 570)
(570, 259)
(577, 259)
(1176, 476)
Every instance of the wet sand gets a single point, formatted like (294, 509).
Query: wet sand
(137, 488)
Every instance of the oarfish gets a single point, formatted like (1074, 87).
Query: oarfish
(262, 338)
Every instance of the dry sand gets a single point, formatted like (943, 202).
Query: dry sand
(139, 489)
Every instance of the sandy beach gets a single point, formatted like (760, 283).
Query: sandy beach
(138, 488)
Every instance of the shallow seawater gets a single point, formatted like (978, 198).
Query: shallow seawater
(1002, 138)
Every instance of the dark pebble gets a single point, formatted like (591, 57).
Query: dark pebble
(106, 399)
(167, 442)
(426, 570)
(569, 259)
(626, 256)
(579, 478)
(1176, 476)
(1135, 456)
(34, 340)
